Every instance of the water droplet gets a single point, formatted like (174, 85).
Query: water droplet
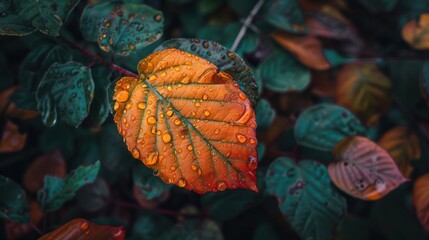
(122, 96)
(205, 97)
(157, 18)
(173, 168)
(166, 138)
(84, 226)
(151, 120)
(136, 153)
(181, 183)
(193, 113)
(152, 159)
(153, 77)
(169, 88)
(116, 106)
(163, 74)
(194, 167)
(197, 104)
(221, 186)
(128, 106)
(253, 163)
(169, 113)
(170, 180)
(205, 44)
(132, 46)
(177, 122)
(241, 138)
(190, 148)
(217, 131)
(231, 55)
(124, 120)
(141, 106)
(107, 24)
(242, 96)
(206, 113)
(252, 141)
(161, 115)
(185, 80)
(155, 173)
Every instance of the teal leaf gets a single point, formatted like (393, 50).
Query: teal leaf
(194, 229)
(220, 56)
(65, 91)
(223, 206)
(57, 191)
(94, 196)
(12, 24)
(281, 72)
(424, 81)
(208, 6)
(46, 16)
(335, 59)
(13, 201)
(100, 106)
(324, 125)
(306, 197)
(285, 15)
(32, 68)
(151, 186)
(122, 28)
(242, 7)
(150, 226)
(265, 114)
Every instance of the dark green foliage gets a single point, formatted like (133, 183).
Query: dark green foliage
(65, 92)
(56, 191)
(13, 202)
(149, 185)
(285, 15)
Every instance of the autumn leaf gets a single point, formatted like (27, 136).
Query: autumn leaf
(416, 33)
(11, 109)
(85, 230)
(188, 122)
(403, 145)
(363, 169)
(364, 90)
(12, 140)
(421, 200)
(307, 49)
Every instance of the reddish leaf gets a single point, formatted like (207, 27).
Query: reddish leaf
(12, 140)
(416, 34)
(12, 110)
(363, 169)
(16, 230)
(364, 90)
(403, 145)
(189, 122)
(307, 49)
(323, 83)
(85, 230)
(421, 200)
(52, 164)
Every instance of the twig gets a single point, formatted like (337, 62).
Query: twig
(99, 59)
(246, 24)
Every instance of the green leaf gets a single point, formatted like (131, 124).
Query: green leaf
(285, 15)
(353, 228)
(122, 28)
(32, 68)
(57, 191)
(424, 82)
(306, 196)
(281, 72)
(10, 23)
(46, 16)
(379, 5)
(100, 106)
(335, 59)
(13, 202)
(223, 206)
(150, 185)
(208, 6)
(220, 56)
(265, 114)
(194, 229)
(324, 125)
(150, 226)
(65, 92)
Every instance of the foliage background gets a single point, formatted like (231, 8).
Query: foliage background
(291, 78)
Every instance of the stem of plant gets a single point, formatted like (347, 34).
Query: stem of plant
(246, 24)
(99, 59)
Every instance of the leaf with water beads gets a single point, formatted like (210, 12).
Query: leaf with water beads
(121, 28)
(189, 122)
(222, 57)
(65, 92)
(363, 169)
(306, 197)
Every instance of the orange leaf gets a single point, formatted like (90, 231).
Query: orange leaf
(12, 140)
(364, 90)
(363, 169)
(416, 34)
(403, 145)
(85, 230)
(307, 49)
(52, 164)
(12, 110)
(421, 200)
(188, 122)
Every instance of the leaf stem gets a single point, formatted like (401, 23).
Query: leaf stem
(99, 59)
(246, 24)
